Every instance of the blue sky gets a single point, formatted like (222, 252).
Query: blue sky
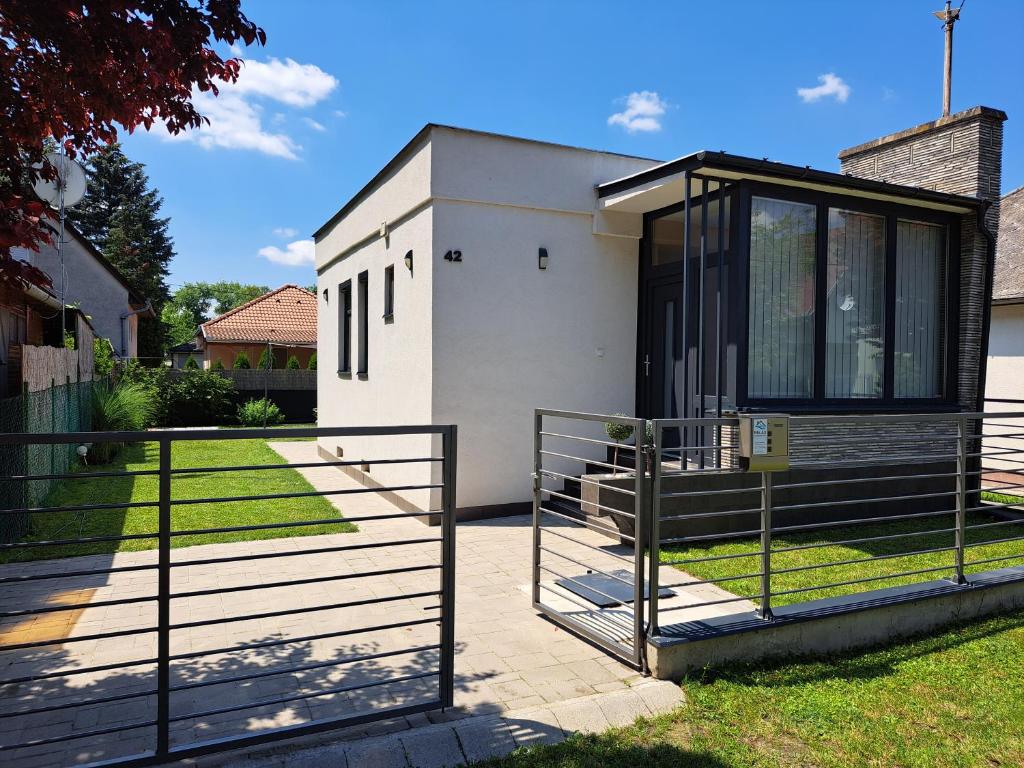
(341, 87)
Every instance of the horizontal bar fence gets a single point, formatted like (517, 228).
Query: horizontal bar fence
(123, 642)
(909, 501)
(635, 538)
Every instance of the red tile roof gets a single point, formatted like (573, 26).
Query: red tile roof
(286, 315)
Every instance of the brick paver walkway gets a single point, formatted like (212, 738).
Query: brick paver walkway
(508, 658)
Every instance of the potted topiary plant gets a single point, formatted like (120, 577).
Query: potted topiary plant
(618, 433)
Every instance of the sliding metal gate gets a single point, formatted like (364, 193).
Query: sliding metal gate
(123, 644)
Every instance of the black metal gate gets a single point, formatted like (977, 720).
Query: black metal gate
(134, 647)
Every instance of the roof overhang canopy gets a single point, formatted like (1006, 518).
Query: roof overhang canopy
(664, 184)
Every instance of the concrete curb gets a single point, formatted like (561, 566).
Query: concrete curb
(466, 741)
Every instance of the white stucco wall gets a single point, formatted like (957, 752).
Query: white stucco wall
(397, 387)
(484, 342)
(92, 288)
(1005, 377)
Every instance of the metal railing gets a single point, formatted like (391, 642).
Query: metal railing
(188, 651)
(632, 543)
(895, 501)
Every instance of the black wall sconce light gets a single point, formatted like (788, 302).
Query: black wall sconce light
(325, 294)
(542, 258)
(408, 261)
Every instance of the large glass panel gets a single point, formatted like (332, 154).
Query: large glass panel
(854, 308)
(780, 356)
(920, 309)
(667, 233)
(667, 239)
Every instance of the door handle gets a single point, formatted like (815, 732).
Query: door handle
(647, 365)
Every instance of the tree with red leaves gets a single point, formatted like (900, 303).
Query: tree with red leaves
(77, 71)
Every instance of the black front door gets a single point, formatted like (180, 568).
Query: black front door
(662, 367)
(672, 389)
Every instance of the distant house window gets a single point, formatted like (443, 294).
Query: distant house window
(364, 324)
(389, 291)
(345, 327)
(920, 309)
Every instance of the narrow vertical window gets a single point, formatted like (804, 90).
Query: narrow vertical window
(920, 310)
(855, 302)
(364, 325)
(782, 286)
(389, 291)
(345, 327)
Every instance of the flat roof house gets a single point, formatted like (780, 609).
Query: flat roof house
(478, 277)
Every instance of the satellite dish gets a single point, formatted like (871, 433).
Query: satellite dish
(70, 182)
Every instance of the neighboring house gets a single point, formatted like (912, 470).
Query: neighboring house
(1006, 340)
(33, 355)
(95, 286)
(478, 277)
(283, 320)
(180, 353)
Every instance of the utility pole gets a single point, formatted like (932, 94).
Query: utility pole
(948, 17)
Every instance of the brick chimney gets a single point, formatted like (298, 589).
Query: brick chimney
(961, 154)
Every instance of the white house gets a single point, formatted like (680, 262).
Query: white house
(478, 277)
(1006, 347)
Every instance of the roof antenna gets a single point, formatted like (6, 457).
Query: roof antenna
(948, 18)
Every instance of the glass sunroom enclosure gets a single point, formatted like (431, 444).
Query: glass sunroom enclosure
(770, 287)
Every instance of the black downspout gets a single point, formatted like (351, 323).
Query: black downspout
(974, 484)
(986, 321)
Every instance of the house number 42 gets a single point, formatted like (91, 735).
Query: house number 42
(453, 256)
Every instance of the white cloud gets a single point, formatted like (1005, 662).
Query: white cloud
(236, 49)
(299, 85)
(286, 232)
(297, 253)
(314, 124)
(642, 112)
(830, 85)
(339, 113)
(235, 116)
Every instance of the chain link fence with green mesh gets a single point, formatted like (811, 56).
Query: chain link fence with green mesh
(61, 408)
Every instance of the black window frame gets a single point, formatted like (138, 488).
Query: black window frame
(892, 213)
(363, 323)
(389, 292)
(345, 327)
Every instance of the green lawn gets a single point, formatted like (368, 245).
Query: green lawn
(836, 552)
(949, 701)
(283, 426)
(198, 453)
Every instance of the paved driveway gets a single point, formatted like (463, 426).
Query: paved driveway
(508, 658)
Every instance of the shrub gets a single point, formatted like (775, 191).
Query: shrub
(122, 407)
(292, 364)
(102, 357)
(266, 360)
(241, 361)
(217, 365)
(312, 362)
(253, 413)
(191, 364)
(199, 399)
